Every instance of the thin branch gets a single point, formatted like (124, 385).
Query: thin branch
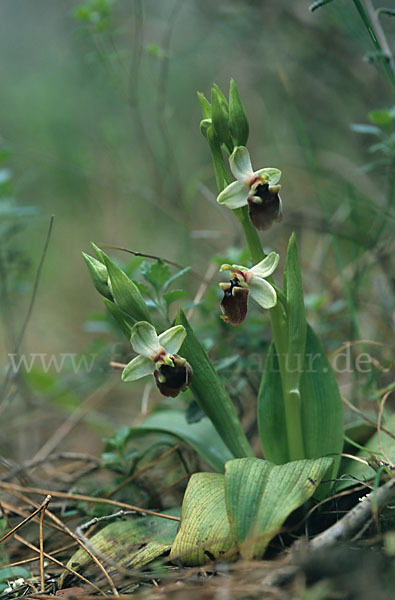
(29, 518)
(31, 304)
(30, 490)
(42, 572)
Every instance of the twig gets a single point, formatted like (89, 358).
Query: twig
(34, 462)
(367, 419)
(57, 562)
(75, 537)
(29, 490)
(380, 415)
(29, 518)
(344, 529)
(42, 573)
(31, 304)
(142, 255)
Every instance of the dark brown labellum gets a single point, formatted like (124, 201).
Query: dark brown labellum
(173, 380)
(264, 207)
(234, 303)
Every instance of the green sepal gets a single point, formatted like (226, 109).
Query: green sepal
(99, 253)
(204, 105)
(210, 393)
(238, 121)
(99, 275)
(126, 293)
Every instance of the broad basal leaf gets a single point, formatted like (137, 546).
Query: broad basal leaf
(260, 496)
(205, 533)
(202, 436)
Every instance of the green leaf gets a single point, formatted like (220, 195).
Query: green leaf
(7, 573)
(128, 544)
(365, 129)
(211, 394)
(201, 436)
(321, 406)
(260, 496)
(157, 274)
(174, 295)
(174, 277)
(238, 121)
(383, 118)
(205, 533)
(124, 321)
(126, 293)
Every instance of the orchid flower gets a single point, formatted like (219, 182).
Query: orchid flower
(157, 356)
(244, 281)
(257, 189)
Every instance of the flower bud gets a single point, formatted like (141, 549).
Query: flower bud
(99, 275)
(265, 206)
(238, 121)
(220, 117)
(171, 380)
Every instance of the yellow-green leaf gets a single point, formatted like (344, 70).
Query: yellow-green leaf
(205, 533)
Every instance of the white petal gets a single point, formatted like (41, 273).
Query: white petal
(262, 292)
(271, 175)
(138, 367)
(234, 196)
(240, 163)
(144, 339)
(172, 339)
(267, 266)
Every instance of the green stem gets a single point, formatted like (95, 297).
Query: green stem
(372, 34)
(291, 398)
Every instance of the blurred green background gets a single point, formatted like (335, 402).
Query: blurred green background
(100, 115)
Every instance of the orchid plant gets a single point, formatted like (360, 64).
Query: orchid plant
(299, 414)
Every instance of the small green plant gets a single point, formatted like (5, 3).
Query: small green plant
(300, 415)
